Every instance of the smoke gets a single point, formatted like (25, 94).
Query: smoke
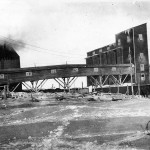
(16, 44)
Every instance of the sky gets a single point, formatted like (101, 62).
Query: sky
(52, 32)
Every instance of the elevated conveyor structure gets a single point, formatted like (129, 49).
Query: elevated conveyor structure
(63, 74)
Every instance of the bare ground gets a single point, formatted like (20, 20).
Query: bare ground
(75, 124)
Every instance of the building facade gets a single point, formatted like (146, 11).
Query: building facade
(130, 47)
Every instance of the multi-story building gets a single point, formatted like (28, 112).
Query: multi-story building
(130, 47)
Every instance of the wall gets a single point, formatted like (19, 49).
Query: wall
(130, 46)
(141, 54)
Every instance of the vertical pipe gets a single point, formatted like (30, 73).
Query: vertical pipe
(64, 84)
(131, 78)
(134, 57)
(131, 81)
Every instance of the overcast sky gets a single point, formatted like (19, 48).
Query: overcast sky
(65, 30)
(60, 31)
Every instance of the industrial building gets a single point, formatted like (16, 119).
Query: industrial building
(130, 47)
(125, 61)
(9, 59)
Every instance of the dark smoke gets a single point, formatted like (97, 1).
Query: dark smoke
(13, 43)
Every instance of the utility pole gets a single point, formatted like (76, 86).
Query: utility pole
(131, 72)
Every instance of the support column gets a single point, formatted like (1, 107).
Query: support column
(132, 83)
(41, 84)
(100, 81)
(120, 79)
(27, 86)
(34, 85)
(96, 82)
(65, 83)
(15, 87)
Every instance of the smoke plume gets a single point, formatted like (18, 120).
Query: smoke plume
(13, 43)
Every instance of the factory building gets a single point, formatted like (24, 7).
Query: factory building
(9, 59)
(130, 47)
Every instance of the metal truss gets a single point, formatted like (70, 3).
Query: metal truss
(35, 86)
(116, 80)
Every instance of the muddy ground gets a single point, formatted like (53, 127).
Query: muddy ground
(75, 124)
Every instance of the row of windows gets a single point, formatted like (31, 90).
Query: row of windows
(129, 39)
(108, 58)
(119, 43)
(102, 50)
(29, 74)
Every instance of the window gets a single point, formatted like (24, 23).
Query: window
(128, 39)
(140, 38)
(1, 76)
(75, 69)
(28, 73)
(142, 77)
(119, 42)
(113, 69)
(100, 50)
(108, 48)
(53, 71)
(95, 69)
(141, 57)
(142, 67)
